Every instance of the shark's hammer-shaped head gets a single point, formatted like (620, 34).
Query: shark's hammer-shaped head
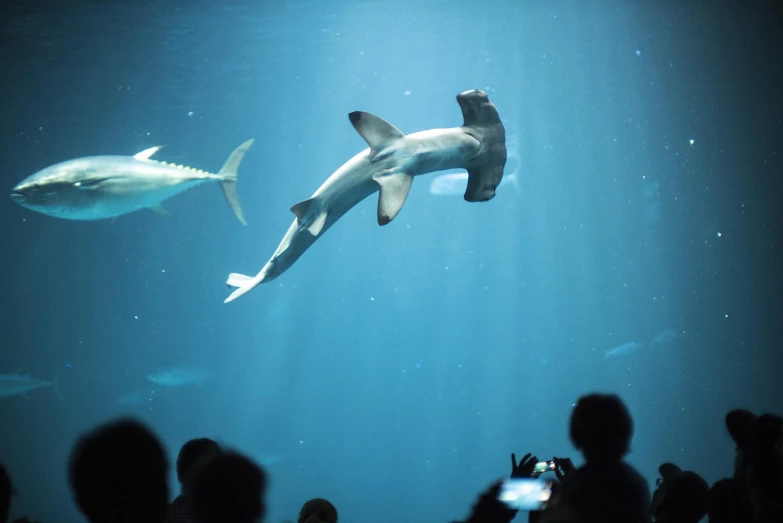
(482, 121)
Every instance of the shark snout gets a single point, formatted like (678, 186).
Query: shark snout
(17, 194)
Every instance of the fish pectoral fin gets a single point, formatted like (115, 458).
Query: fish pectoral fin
(146, 154)
(377, 132)
(310, 215)
(394, 189)
(162, 211)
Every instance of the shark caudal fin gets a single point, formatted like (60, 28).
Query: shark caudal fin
(243, 284)
(229, 182)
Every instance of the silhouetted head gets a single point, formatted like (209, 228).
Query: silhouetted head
(6, 491)
(680, 496)
(727, 502)
(758, 440)
(227, 488)
(317, 511)
(118, 474)
(601, 428)
(193, 452)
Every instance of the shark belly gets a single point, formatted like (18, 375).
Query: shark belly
(438, 150)
(419, 153)
(341, 192)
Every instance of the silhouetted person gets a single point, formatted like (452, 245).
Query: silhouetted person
(727, 502)
(317, 511)
(118, 474)
(680, 496)
(228, 488)
(605, 489)
(190, 455)
(6, 491)
(757, 462)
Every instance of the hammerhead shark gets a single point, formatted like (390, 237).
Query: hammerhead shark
(388, 166)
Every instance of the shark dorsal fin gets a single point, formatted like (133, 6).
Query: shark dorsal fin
(394, 189)
(146, 154)
(310, 215)
(377, 132)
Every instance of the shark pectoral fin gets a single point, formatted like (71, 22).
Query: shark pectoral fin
(310, 216)
(146, 154)
(162, 211)
(377, 132)
(394, 189)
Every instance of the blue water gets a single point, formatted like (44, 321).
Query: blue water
(392, 370)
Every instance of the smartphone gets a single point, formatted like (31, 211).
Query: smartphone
(544, 466)
(525, 493)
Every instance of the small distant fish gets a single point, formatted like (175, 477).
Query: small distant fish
(267, 460)
(455, 184)
(665, 336)
(623, 350)
(18, 384)
(179, 377)
(137, 397)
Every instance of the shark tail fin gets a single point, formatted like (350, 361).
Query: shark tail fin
(243, 284)
(229, 182)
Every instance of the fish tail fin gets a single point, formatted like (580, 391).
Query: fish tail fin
(229, 182)
(243, 284)
(514, 179)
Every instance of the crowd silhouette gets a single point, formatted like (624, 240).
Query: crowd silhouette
(118, 474)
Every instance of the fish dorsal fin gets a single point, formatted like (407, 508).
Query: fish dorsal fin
(394, 189)
(146, 154)
(162, 211)
(377, 132)
(310, 215)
